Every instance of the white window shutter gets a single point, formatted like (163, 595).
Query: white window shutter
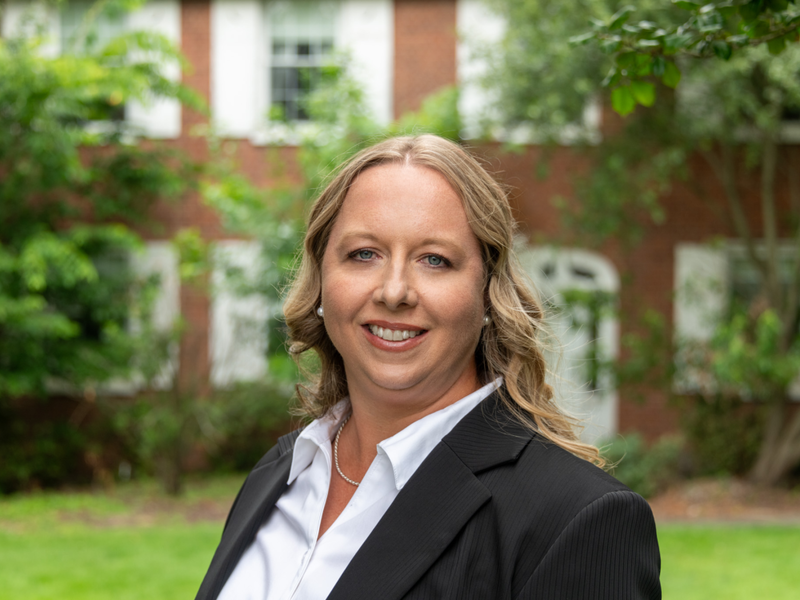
(21, 18)
(160, 118)
(237, 343)
(366, 32)
(478, 28)
(701, 290)
(236, 55)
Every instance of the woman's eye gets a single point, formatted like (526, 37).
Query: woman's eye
(364, 254)
(435, 261)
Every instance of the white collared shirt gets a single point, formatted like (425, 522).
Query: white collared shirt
(286, 561)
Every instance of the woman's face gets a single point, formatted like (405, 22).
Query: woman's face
(402, 289)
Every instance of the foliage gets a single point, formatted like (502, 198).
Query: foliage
(723, 433)
(248, 418)
(726, 117)
(645, 51)
(72, 309)
(646, 471)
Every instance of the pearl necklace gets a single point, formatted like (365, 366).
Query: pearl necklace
(336, 453)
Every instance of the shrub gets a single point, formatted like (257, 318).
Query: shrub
(646, 471)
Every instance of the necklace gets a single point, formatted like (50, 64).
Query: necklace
(336, 453)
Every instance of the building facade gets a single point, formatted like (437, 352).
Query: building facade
(250, 58)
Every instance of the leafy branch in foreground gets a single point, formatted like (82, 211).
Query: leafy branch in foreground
(648, 50)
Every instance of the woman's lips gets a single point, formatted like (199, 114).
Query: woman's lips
(401, 339)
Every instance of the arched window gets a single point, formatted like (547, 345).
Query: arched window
(580, 288)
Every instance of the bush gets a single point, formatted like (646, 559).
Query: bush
(646, 471)
(723, 434)
(251, 417)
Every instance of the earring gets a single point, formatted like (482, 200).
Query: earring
(486, 319)
(320, 312)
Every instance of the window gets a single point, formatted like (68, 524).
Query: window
(266, 54)
(156, 117)
(301, 35)
(480, 27)
(710, 281)
(84, 28)
(580, 288)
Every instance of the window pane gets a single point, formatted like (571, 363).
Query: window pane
(302, 34)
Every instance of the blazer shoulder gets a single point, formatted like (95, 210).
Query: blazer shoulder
(285, 444)
(550, 467)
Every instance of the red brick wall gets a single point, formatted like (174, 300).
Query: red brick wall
(195, 302)
(424, 52)
(424, 62)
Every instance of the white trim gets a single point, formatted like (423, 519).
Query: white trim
(597, 409)
(479, 30)
(240, 66)
(237, 337)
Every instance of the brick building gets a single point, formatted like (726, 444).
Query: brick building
(246, 56)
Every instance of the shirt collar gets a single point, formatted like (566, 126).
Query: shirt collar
(317, 435)
(407, 449)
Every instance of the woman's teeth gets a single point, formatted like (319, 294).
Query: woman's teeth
(393, 335)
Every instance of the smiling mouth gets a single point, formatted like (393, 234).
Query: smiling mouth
(394, 335)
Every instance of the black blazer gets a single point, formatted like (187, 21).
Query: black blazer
(495, 511)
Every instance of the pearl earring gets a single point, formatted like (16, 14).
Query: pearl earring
(320, 312)
(486, 319)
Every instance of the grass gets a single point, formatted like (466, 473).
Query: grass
(133, 543)
(161, 562)
(732, 562)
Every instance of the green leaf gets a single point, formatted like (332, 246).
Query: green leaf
(612, 77)
(777, 45)
(625, 60)
(644, 92)
(777, 5)
(750, 11)
(611, 44)
(619, 18)
(722, 49)
(659, 65)
(623, 100)
(580, 40)
(672, 75)
(686, 5)
(645, 43)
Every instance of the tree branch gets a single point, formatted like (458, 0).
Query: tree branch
(769, 163)
(725, 170)
(793, 294)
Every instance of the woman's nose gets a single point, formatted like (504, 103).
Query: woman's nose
(396, 289)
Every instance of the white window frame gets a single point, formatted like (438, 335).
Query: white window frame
(703, 289)
(599, 408)
(157, 257)
(479, 27)
(237, 324)
(240, 47)
(157, 119)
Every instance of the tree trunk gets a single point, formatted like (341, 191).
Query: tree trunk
(780, 448)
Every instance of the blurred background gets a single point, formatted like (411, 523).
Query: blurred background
(157, 160)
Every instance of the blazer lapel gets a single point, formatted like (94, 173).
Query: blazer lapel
(258, 496)
(434, 506)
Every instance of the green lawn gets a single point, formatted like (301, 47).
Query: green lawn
(731, 562)
(148, 563)
(133, 543)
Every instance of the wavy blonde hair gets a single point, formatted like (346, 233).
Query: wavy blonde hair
(511, 345)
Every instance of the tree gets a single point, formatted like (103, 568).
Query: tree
(738, 78)
(72, 190)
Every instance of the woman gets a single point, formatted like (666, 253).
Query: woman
(438, 465)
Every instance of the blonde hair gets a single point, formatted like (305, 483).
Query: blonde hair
(511, 345)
